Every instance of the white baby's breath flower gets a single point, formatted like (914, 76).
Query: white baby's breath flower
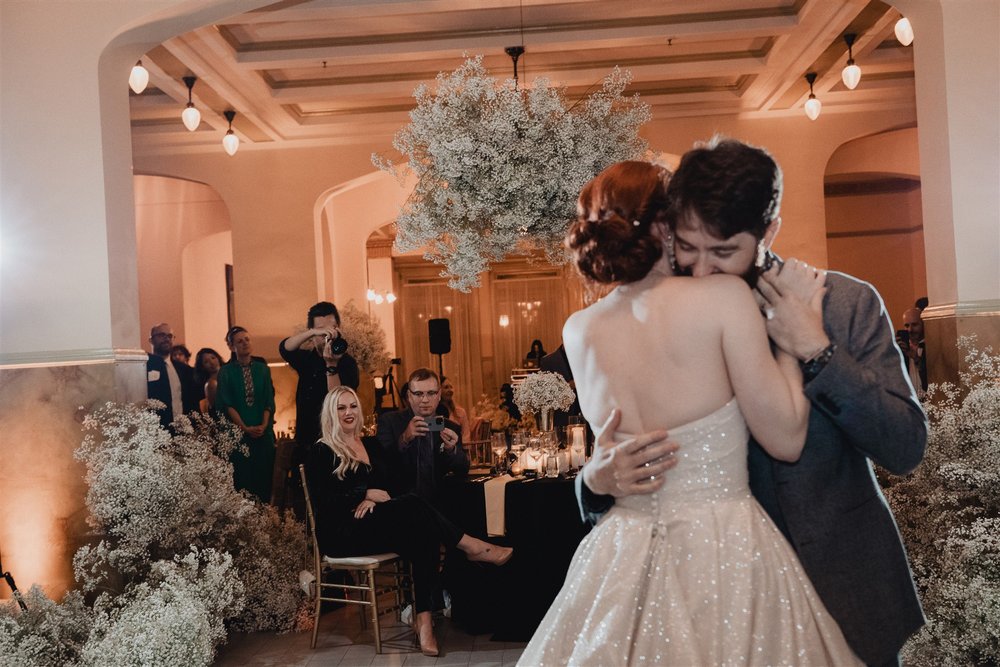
(542, 391)
(499, 169)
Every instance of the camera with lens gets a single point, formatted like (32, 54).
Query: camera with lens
(337, 344)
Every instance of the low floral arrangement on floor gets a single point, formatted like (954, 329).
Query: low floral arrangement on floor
(179, 556)
(499, 169)
(948, 512)
(365, 338)
(543, 391)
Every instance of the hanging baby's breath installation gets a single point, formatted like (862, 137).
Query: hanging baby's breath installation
(499, 169)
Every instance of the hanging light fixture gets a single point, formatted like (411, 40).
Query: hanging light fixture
(230, 142)
(904, 31)
(514, 52)
(852, 73)
(380, 297)
(139, 78)
(190, 115)
(813, 105)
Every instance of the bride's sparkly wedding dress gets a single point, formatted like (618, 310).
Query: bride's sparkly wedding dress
(695, 574)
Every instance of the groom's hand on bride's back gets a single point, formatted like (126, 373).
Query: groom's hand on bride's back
(631, 467)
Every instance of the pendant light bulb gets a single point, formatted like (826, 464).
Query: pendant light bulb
(852, 73)
(904, 31)
(813, 105)
(139, 78)
(190, 115)
(390, 297)
(230, 142)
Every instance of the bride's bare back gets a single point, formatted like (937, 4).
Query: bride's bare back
(668, 350)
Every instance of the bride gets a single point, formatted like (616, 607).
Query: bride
(695, 573)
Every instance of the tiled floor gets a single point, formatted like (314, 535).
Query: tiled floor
(342, 642)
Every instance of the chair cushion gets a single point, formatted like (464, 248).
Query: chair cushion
(359, 561)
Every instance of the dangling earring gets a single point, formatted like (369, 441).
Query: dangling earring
(668, 241)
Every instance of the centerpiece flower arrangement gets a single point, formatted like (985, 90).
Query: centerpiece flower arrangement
(499, 169)
(543, 392)
(948, 512)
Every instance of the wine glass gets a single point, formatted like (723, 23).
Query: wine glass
(534, 456)
(499, 445)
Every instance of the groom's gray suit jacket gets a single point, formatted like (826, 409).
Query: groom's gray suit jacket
(828, 503)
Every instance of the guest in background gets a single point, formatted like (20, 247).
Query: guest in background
(246, 396)
(356, 512)
(452, 410)
(915, 349)
(534, 355)
(320, 369)
(207, 364)
(404, 399)
(181, 354)
(507, 393)
(418, 458)
(557, 362)
(168, 381)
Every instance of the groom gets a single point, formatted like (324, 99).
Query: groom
(827, 504)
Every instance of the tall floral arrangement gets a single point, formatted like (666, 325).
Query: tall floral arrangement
(179, 556)
(543, 391)
(499, 169)
(948, 511)
(366, 339)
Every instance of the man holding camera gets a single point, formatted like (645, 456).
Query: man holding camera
(421, 446)
(319, 356)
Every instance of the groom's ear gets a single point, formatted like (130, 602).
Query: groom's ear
(771, 232)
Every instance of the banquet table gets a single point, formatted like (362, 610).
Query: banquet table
(543, 524)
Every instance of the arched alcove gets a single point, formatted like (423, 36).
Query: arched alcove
(873, 214)
(183, 246)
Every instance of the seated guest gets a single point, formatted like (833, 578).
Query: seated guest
(452, 410)
(246, 396)
(207, 364)
(417, 456)
(356, 514)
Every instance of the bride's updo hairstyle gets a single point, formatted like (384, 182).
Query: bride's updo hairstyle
(613, 239)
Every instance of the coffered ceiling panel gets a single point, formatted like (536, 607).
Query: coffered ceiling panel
(305, 72)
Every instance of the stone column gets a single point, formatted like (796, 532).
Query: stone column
(957, 67)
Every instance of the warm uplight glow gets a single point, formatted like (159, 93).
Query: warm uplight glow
(231, 142)
(904, 31)
(504, 321)
(139, 78)
(851, 75)
(191, 117)
(813, 107)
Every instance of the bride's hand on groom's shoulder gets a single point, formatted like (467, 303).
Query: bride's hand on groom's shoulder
(631, 467)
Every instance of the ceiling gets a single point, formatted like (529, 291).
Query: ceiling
(328, 72)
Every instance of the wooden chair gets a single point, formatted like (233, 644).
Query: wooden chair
(390, 567)
(478, 446)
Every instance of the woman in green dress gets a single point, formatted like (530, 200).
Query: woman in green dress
(246, 396)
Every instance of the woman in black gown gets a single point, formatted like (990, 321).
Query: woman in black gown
(356, 515)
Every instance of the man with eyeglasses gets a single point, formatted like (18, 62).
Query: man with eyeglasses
(420, 452)
(168, 381)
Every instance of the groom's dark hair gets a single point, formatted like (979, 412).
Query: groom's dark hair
(731, 186)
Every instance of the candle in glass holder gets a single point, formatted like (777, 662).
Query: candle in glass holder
(579, 447)
(516, 468)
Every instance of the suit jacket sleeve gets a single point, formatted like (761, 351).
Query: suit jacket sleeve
(865, 390)
(457, 460)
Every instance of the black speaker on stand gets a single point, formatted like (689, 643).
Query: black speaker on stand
(439, 332)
